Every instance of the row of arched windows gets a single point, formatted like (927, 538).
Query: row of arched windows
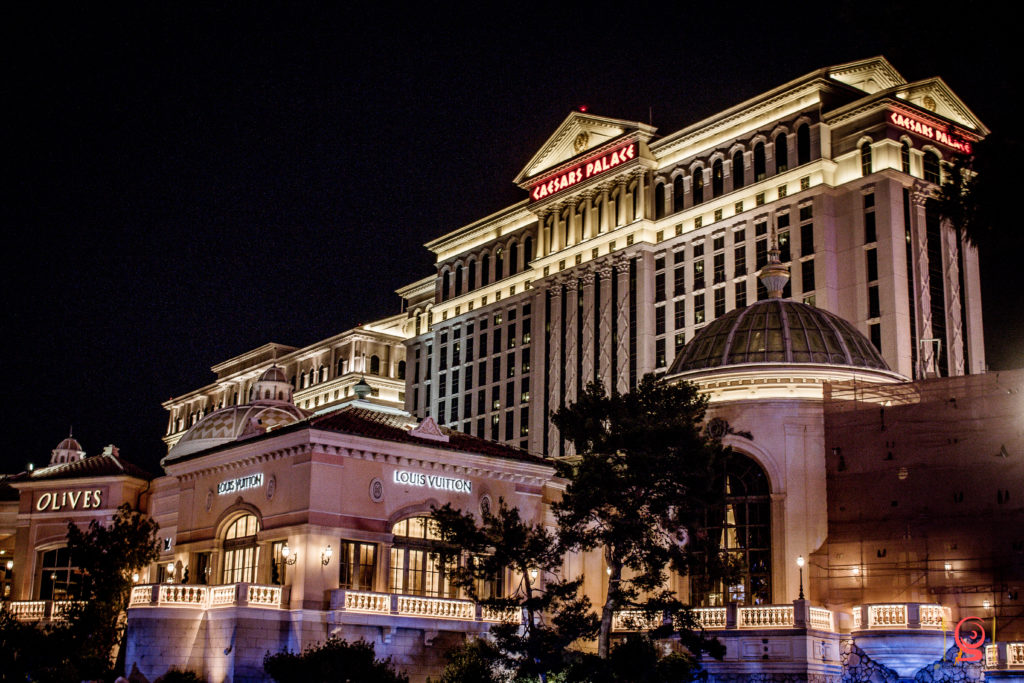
(480, 270)
(740, 172)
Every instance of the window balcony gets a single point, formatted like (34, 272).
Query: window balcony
(209, 597)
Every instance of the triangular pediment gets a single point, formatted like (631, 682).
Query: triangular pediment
(870, 75)
(934, 95)
(578, 133)
(428, 429)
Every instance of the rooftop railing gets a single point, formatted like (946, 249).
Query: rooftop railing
(796, 615)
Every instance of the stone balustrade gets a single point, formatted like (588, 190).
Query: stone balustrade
(38, 610)
(208, 597)
(796, 615)
(1004, 656)
(416, 606)
(911, 615)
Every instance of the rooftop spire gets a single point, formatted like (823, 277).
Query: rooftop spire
(775, 274)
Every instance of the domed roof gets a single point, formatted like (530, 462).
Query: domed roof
(273, 374)
(69, 444)
(235, 423)
(778, 331)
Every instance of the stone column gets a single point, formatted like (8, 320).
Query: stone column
(604, 356)
(622, 326)
(951, 274)
(587, 331)
(926, 359)
(554, 368)
(572, 332)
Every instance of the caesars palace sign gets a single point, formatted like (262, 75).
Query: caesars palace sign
(584, 171)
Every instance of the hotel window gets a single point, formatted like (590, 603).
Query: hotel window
(469, 348)
(872, 259)
(454, 407)
(508, 425)
(717, 179)
(698, 186)
(865, 159)
(678, 190)
(905, 157)
(680, 342)
(467, 406)
(481, 375)
(659, 353)
(741, 294)
(241, 554)
(719, 265)
(781, 153)
(485, 270)
(525, 361)
(806, 233)
(510, 364)
(494, 427)
(875, 333)
(742, 528)
(760, 168)
(496, 338)
(659, 200)
(719, 301)
(698, 274)
(420, 563)
(698, 309)
(481, 402)
(874, 305)
(659, 287)
(932, 172)
(807, 275)
(511, 333)
(659, 320)
(803, 144)
(783, 239)
(278, 567)
(870, 234)
(679, 276)
(60, 579)
(761, 253)
(739, 254)
(737, 170)
(680, 314)
(524, 390)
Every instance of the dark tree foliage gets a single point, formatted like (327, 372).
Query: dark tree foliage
(554, 614)
(635, 659)
(175, 675)
(974, 196)
(336, 661)
(476, 661)
(638, 488)
(106, 556)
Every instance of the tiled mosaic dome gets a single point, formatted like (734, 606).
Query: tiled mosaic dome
(778, 331)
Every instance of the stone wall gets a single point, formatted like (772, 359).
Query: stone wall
(859, 668)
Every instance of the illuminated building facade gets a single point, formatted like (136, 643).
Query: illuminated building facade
(294, 490)
(629, 243)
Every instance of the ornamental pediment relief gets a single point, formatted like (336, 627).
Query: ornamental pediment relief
(935, 96)
(577, 134)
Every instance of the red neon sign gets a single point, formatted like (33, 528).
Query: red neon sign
(929, 131)
(970, 646)
(584, 171)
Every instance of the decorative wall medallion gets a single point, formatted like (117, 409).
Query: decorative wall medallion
(928, 102)
(485, 504)
(209, 500)
(718, 427)
(580, 143)
(271, 487)
(376, 490)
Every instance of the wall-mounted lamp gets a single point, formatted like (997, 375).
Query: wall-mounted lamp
(800, 563)
(987, 604)
(325, 555)
(948, 566)
(135, 577)
(534, 573)
(10, 565)
(287, 556)
(608, 571)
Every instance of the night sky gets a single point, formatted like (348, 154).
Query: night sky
(187, 184)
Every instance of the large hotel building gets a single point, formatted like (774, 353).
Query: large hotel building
(782, 254)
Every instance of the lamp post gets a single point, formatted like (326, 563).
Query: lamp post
(800, 563)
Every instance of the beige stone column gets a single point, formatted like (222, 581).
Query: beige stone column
(587, 331)
(622, 326)
(926, 361)
(572, 332)
(603, 282)
(554, 361)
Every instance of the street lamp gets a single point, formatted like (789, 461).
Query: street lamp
(800, 563)
(325, 555)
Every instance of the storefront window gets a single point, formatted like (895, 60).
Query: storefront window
(420, 563)
(358, 565)
(241, 554)
(60, 579)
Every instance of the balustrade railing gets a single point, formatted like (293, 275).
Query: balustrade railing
(766, 616)
(821, 619)
(1015, 654)
(417, 606)
(710, 617)
(1003, 656)
(207, 597)
(911, 615)
(38, 610)
(887, 616)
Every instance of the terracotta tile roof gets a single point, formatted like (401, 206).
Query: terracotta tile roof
(103, 465)
(393, 427)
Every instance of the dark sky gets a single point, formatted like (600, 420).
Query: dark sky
(187, 184)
